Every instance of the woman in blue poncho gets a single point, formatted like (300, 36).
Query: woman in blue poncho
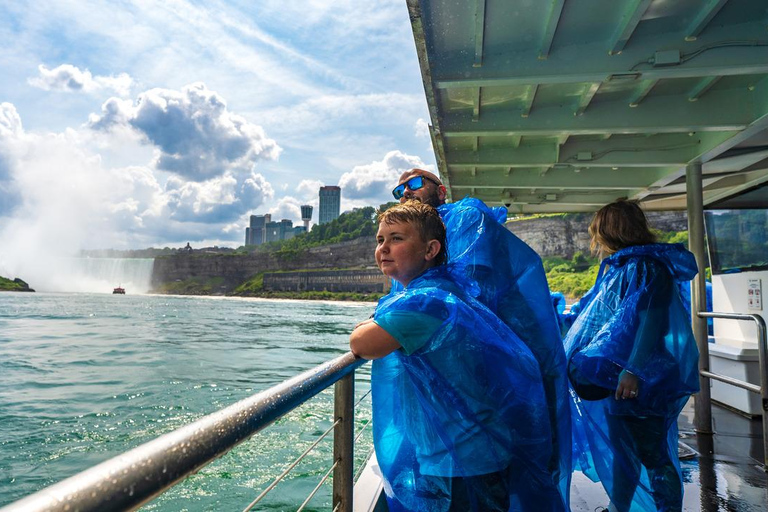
(459, 411)
(632, 359)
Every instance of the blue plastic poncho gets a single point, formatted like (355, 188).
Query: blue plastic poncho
(633, 319)
(564, 318)
(513, 285)
(459, 410)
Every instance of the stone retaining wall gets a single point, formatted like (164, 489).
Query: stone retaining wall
(354, 281)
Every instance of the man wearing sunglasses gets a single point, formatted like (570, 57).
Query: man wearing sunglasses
(513, 285)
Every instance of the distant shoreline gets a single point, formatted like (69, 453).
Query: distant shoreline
(15, 285)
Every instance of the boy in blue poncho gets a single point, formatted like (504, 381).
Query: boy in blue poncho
(460, 416)
(633, 361)
(513, 285)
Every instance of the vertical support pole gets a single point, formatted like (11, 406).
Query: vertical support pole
(343, 443)
(762, 344)
(703, 407)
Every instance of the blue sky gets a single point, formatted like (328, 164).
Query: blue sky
(130, 124)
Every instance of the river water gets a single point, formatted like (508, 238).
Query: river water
(84, 377)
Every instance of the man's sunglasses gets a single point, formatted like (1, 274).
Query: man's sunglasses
(414, 183)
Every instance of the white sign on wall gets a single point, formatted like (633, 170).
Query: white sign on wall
(754, 295)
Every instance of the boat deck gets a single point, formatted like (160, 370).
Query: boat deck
(722, 472)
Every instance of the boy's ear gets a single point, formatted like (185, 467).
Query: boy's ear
(433, 249)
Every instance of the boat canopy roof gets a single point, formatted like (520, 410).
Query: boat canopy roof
(564, 106)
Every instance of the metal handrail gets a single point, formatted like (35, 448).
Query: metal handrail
(131, 479)
(762, 350)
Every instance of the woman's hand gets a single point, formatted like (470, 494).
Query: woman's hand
(628, 386)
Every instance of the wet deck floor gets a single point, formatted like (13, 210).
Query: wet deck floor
(723, 473)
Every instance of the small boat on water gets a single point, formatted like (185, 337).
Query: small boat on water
(119, 290)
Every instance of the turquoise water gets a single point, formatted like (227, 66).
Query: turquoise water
(84, 377)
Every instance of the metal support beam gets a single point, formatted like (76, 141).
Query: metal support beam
(479, 32)
(717, 111)
(706, 14)
(556, 179)
(529, 99)
(555, 10)
(702, 87)
(664, 151)
(586, 201)
(644, 90)
(695, 198)
(476, 104)
(629, 22)
(343, 443)
(586, 98)
(571, 66)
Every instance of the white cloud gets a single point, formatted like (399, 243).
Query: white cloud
(10, 130)
(345, 111)
(221, 199)
(288, 208)
(374, 182)
(69, 78)
(309, 188)
(198, 137)
(10, 122)
(421, 128)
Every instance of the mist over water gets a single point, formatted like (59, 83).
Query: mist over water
(96, 275)
(101, 275)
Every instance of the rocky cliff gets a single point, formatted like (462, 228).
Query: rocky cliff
(564, 235)
(234, 269)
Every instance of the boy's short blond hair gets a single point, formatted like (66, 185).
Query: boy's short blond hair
(424, 218)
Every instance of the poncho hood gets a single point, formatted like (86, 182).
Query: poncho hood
(680, 262)
(498, 213)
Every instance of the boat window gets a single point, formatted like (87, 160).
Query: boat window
(737, 240)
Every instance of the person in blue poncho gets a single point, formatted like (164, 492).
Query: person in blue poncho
(513, 285)
(459, 410)
(633, 361)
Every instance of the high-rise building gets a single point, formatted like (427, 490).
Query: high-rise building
(330, 204)
(306, 215)
(257, 234)
(277, 230)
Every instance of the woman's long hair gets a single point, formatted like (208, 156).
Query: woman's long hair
(617, 225)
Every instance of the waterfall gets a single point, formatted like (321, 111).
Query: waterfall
(101, 275)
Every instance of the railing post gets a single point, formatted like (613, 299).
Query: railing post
(343, 443)
(695, 198)
(762, 344)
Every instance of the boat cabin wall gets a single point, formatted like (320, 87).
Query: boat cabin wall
(731, 294)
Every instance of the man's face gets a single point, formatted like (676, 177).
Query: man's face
(430, 193)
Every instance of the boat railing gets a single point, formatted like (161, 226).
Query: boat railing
(762, 389)
(129, 480)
